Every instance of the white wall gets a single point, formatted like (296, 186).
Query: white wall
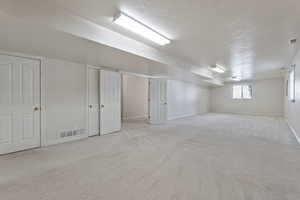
(268, 98)
(186, 99)
(292, 109)
(16, 36)
(134, 97)
(63, 99)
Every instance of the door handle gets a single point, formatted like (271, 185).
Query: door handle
(102, 106)
(35, 108)
(90, 106)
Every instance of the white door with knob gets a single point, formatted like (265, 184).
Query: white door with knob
(158, 101)
(93, 101)
(19, 104)
(110, 102)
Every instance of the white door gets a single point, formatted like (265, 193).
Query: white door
(110, 100)
(93, 102)
(19, 104)
(158, 101)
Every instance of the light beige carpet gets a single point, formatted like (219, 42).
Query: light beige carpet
(210, 157)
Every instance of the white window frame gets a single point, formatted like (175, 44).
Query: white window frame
(242, 92)
(292, 83)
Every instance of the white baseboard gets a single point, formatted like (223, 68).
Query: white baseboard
(135, 117)
(184, 116)
(293, 131)
(250, 114)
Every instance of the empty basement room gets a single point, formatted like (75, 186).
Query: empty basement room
(154, 100)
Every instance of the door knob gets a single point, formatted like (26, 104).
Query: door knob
(36, 108)
(90, 106)
(102, 106)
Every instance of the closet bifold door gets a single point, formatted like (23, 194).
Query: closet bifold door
(110, 102)
(93, 102)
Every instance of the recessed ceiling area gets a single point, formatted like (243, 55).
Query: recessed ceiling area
(243, 38)
(240, 35)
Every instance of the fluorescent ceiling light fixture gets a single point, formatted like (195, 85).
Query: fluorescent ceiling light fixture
(218, 68)
(137, 27)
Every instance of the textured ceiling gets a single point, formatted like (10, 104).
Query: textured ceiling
(249, 38)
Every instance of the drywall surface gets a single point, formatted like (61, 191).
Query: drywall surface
(186, 99)
(292, 109)
(63, 99)
(134, 97)
(33, 39)
(268, 98)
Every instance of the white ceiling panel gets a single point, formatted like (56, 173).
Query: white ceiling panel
(249, 38)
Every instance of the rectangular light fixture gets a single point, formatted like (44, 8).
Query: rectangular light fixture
(218, 68)
(137, 27)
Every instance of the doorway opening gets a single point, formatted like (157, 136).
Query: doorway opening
(135, 100)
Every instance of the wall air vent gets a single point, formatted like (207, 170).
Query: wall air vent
(293, 41)
(72, 133)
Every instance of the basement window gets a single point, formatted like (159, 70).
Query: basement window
(292, 83)
(242, 92)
